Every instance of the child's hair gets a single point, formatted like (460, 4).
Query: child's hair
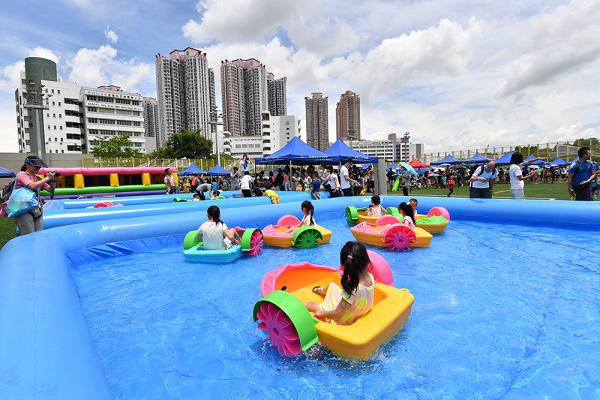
(268, 186)
(215, 214)
(196, 196)
(376, 200)
(413, 200)
(216, 193)
(408, 210)
(246, 173)
(355, 259)
(310, 208)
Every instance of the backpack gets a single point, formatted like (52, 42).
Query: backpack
(578, 163)
(6, 191)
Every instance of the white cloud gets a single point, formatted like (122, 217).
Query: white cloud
(94, 67)
(237, 20)
(110, 35)
(44, 53)
(251, 21)
(558, 42)
(10, 74)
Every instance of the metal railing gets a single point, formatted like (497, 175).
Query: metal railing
(147, 162)
(567, 150)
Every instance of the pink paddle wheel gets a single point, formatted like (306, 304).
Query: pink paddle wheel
(255, 243)
(399, 237)
(280, 329)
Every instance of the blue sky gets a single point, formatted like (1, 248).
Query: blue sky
(456, 74)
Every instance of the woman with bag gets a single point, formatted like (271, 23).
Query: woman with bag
(31, 220)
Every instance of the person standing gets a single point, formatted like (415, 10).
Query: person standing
(482, 181)
(517, 179)
(245, 184)
(345, 180)
(170, 182)
(581, 174)
(450, 185)
(235, 178)
(32, 221)
(245, 163)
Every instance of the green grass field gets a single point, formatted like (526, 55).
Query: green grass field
(556, 191)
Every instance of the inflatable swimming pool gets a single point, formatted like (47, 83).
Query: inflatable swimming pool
(47, 350)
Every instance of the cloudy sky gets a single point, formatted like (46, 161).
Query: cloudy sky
(457, 74)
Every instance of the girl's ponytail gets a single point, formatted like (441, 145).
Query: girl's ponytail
(215, 214)
(355, 259)
(311, 210)
(408, 210)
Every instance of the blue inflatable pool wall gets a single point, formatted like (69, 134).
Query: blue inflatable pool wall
(46, 351)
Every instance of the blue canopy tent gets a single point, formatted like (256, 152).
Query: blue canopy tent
(217, 170)
(393, 166)
(295, 151)
(530, 157)
(476, 159)
(340, 152)
(446, 160)
(539, 162)
(4, 173)
(505, 159)
(192, 170)
(559, 162)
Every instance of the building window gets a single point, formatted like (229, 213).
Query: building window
(53, 103)
(53, 115)
(59, 115)
(58, 93)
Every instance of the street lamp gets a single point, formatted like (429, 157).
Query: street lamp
(215, 123)
(36, 101)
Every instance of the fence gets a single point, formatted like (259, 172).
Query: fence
(547, 151)
(147, 162)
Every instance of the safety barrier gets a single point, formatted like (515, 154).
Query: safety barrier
(46, 351)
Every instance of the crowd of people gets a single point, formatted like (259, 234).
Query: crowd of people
(481, 179)
(350, 180)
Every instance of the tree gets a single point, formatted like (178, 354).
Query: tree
(185, 143)
(115, 147)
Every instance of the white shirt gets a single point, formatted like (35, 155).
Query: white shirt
(333, 181)
(212, 235)
(245, 182)
(483, 174)
(408, 222)
(345, 184)
(306, 220)
(169, 181)
(514, 172)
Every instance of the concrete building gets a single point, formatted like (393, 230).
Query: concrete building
(393, 149)
(183, 85)
(49, 115)
(244, 95)
(151, 129)
(276, 89)
(347, 116)
(276, 132)
(109, 111)
(317, 122)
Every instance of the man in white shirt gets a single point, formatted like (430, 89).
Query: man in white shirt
(345, 180)
(482, 181)
(245, 184)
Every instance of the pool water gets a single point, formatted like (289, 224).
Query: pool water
(501, 311)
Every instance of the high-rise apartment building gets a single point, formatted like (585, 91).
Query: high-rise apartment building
(392, 149)
(109, 111)
(276, 89)
(51, 124)
(244, 95)
(347, 116)
(317, 123)
(151, 129)
(183, 85)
